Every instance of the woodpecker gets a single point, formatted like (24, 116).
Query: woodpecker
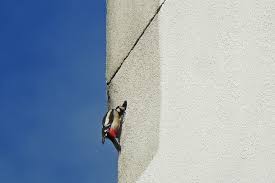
(111, 124)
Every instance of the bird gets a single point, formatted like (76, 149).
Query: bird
(111, 125)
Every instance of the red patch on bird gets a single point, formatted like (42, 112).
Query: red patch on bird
(113, 133)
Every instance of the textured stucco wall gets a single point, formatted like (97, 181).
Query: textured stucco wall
(126, 20)
(137, 81)
(207, 71)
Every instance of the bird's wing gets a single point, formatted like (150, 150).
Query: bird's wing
(108, 119)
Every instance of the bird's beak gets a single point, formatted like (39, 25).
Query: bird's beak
(125, 104)
(103, 140)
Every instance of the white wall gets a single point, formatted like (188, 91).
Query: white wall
(201, 84)
(137, 81)
(126, 21)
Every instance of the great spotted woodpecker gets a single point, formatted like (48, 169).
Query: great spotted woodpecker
(111, 124)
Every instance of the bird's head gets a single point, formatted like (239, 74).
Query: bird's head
(122, 109)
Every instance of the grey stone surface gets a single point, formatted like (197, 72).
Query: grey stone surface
(138, 82)
(126, 19)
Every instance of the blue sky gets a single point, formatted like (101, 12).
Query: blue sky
(52, 92)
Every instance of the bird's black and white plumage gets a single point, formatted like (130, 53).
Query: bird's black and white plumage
(111, 124)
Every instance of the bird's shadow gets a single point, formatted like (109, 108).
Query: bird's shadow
(121, 127)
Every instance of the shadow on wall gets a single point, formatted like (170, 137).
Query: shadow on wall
(138, 82)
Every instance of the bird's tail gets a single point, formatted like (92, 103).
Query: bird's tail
(116, 144)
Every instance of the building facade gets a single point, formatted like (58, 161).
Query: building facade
(199, 78)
